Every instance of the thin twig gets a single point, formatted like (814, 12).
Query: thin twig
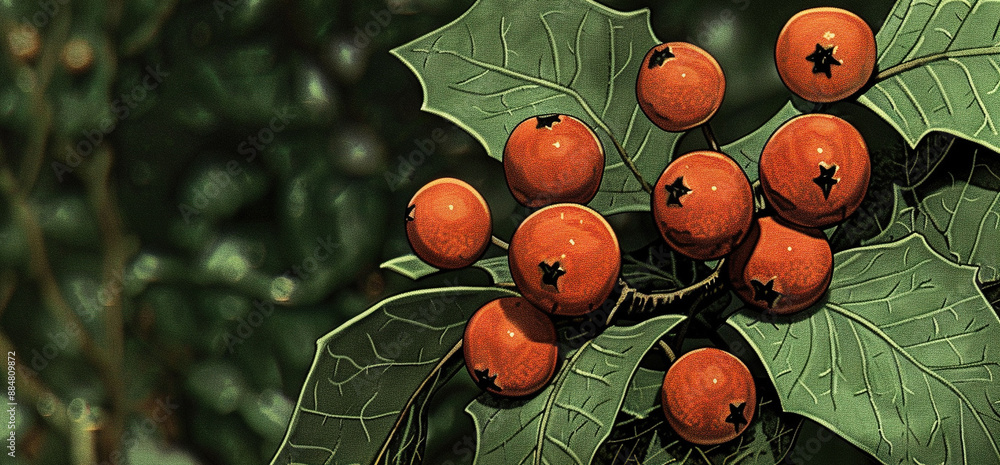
(692, 311)
(671, 356)
(38, 137)
(713, 144)
(499, 243)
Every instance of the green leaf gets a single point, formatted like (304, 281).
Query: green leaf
(568, 420)
(643, 396)
(960, 221)
(939, 70)
(746, 150)
(898, 359)
(504, 61)
(410, 266)
(651, 441)
(414, 268)
(373, 369)
(408, 444)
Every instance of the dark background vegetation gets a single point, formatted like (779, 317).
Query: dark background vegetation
(163, 290)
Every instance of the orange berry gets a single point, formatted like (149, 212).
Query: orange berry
(825, 54)
(680, 86)
(814, 170)
(510, 347)
(709, 396)
(780, 267)
(553, 159)
(703, 205)
(565, 259)
(448, 224)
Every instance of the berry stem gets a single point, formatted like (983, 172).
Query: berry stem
(499, 243)
(916, 63)
(706, 129)
(625, 159)
(671, 356)
(679, 339)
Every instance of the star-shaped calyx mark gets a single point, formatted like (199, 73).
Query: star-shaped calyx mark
(485, 381)
(675, 191)
(822, 58)
(765, 292)
(551, 274)
(736, 415)
(547, 121)
(659, 57)
(409, 213)
(825, 180)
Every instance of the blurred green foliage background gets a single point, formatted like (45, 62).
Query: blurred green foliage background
(193, 192)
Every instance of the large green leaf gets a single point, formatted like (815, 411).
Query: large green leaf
(960, 220)
(939, 70)
(643, 396)
(651, 441)
(746, 150)
(568, 420)
(898, 359)
(407, 444)
(504, 61)
(369, 373)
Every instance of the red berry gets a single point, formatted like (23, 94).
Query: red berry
(510, 347)
(708, 396)
(565, 259)
(825, 54)
(448, 223)
(781, 267)
(553, 159)
(703, 205)
(814, 170)
(680, 86)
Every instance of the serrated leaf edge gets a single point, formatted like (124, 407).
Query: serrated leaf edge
(426, 106)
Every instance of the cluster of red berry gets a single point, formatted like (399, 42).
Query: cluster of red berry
(565, 258)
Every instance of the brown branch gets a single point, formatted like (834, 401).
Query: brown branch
(117, 251)
(634, 303)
